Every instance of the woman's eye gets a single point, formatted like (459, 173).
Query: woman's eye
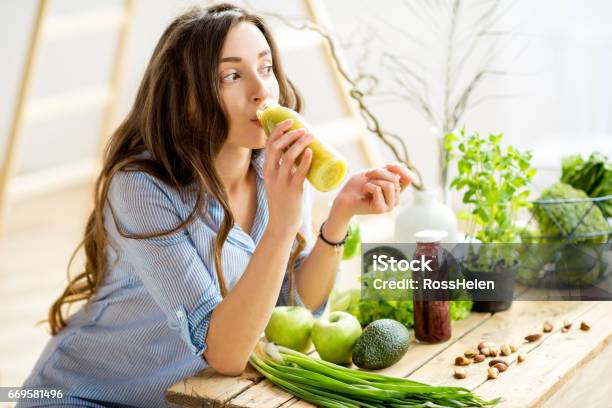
(231, 77)
(234, 76)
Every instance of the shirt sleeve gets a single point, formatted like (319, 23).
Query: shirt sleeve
(169, 266)
(307, 232)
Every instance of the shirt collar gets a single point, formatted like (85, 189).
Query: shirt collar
(257, 159)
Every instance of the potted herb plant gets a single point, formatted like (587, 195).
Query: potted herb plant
(495, 185)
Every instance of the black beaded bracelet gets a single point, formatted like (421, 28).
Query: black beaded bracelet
(334, 244)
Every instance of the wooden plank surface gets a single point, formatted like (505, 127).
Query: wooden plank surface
(510, 326)
(586, 388)
(263, 395)
(551, 363)
(209, 389)
(554, 360)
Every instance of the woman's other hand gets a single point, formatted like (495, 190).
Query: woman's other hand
(373, 191)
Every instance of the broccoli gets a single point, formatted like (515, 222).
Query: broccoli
(576, 221)
(366, 311)
(568, 224)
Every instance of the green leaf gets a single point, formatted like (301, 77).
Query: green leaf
(464, 215)
(482, 214)
(451, 137)
(494, 139)
(463, 166)
(468, 197)
(530, 173)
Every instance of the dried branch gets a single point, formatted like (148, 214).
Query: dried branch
(448, 81)
(462, 104)
(420, 101)
(358, 95)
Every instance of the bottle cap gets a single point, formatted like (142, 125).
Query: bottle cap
(430, 236)
(267, 104)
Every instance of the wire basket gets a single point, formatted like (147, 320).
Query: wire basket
(578, 254)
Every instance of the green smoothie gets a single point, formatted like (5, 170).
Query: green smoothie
(328, 168)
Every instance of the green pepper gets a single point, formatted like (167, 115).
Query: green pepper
(353, 241)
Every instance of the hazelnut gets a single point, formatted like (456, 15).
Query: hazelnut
(470, 353)
(567, 324)
(493, 352)
(584, 326)
(479, 358)
(500, 367)
(521, 358)
(462, 361)
(460, 373)
(497, 361)
(533, 337)
(485, 351)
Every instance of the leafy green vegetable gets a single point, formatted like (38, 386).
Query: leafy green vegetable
(329, 385)
(371, 310)
(593, 176)
(367, 311)
(578, 221)
(460, 309)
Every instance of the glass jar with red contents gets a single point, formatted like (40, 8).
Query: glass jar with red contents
(432, 323)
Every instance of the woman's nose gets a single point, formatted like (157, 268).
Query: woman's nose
(260, 90)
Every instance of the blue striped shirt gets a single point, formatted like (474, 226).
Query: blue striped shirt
(146, 326)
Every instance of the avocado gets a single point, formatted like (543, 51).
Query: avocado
(382, 344)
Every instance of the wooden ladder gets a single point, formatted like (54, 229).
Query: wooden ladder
(106, 96)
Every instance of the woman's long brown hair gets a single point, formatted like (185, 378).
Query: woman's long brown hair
(178, 117)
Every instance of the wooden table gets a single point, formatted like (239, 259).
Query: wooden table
(561, 370)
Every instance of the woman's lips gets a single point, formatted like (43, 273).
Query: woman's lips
(256, 123)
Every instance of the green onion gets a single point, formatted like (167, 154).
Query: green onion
(329, 385)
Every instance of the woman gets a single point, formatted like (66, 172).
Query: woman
(200, 222)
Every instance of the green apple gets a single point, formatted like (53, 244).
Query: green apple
(290, 326)
(335, 335)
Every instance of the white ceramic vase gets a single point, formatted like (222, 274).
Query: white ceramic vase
(424, 213)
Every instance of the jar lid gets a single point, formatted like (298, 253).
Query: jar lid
(429, 236)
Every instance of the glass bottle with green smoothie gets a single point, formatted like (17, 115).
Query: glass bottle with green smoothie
(328, 167)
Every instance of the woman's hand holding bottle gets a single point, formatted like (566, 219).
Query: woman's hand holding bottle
(284, 178)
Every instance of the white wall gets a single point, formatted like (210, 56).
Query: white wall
(561, 83)
(566, 97)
